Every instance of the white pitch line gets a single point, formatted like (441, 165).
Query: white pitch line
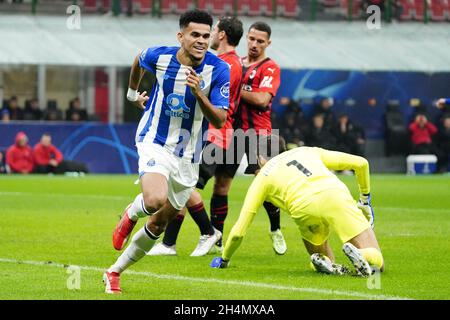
(65, 195)
(217, 281)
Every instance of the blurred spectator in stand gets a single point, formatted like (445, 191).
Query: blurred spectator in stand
(350, 138)
(32, 110)
(444, 105)
(52, 113)
(324, 108)
(49, 159)
(5, 115)
(319, 135)
(75, 112)
(422, 132)
(443, 142)
(15, 112)
(19, 156)
(291, 132)
(3, 167)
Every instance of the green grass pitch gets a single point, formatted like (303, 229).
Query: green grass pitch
(69, 221)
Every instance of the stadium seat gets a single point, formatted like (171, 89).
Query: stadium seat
(205, 5)
(419, 10)
(222, 7)
(266, 8)
(167, 6)
(437, 10)
(356, 8)
(249, 7)
(330, 3)
(288, 8)
(143, 6)
(183, 5)
(90, 5)
(407, 9)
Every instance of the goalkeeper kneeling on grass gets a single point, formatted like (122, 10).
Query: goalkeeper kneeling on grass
(300, 182)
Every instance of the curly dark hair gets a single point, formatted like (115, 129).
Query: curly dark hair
(196, 16)
(233, 29)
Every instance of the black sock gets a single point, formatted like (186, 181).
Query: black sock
(219, 211)
(274, 215)
(198, 213)
(172, 230)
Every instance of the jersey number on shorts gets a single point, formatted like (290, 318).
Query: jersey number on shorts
(300, 167)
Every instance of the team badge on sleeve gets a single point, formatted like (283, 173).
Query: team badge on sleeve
(225, 90)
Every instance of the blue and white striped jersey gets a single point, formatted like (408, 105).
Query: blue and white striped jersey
(172, 117)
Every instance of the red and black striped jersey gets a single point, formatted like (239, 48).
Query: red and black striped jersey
(263, 76)
(222, 137)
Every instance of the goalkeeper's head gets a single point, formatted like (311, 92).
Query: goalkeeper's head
(268, 147)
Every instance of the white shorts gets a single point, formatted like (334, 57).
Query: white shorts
(181, 174)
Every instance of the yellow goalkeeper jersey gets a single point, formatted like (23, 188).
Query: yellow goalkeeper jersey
(290, 181)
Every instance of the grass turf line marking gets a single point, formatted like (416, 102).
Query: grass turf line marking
(214, 280)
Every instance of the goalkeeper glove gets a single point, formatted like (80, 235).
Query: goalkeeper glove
(366, 208)
(218, 262)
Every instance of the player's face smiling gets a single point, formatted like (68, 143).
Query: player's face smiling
(257, 42)
(194, 40)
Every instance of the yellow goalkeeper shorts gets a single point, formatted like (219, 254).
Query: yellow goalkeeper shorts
(333, 209)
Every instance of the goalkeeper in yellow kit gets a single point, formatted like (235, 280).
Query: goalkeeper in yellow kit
(300, 182)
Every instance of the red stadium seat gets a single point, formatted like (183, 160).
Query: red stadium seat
(419, 10)
(266, 8)
(407, 9)
(437, 10)
(222, 7)
(143, 6)
(288, 8)
(106, 5)
(356, 8)
(184, 5)
(90, 5)
(249, 7)
(167, 6)
(330, 3)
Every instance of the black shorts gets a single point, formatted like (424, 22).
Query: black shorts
(208, 170)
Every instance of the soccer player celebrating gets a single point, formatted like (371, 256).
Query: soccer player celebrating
(260, 83)
(300, 182)
(224, 39)
(192, 89)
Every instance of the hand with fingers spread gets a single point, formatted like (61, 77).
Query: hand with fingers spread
(139, 99)
(193, 81)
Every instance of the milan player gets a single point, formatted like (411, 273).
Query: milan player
(260, 82)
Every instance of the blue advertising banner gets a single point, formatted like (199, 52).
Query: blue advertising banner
(103, 148)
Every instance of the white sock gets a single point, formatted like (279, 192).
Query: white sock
(137, 209)
(141, 243)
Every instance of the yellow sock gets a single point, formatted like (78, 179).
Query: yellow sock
(373, 256)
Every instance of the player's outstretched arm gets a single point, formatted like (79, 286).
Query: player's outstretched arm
(254, 199)
(343, 161)
(216, 116)
(136, 75)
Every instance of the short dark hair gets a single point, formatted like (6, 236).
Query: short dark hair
(261, 26)
(196, 16)
(233, 28)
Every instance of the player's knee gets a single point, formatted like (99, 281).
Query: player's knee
(156, 226)
(221, 186)
(153, 202)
